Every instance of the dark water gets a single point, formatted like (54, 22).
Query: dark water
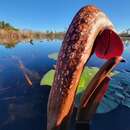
(23, 106)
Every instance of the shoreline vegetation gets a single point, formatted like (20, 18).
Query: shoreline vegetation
(13, 37)
(10, 36)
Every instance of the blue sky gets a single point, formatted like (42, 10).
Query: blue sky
(57, 14)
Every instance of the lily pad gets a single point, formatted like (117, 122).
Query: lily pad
(48, 78)
(87, 75)
(118, 92)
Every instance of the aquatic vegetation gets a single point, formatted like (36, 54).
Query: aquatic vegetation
(107, 102)
(118, 91)
(48, 78)
(10, 36)
(87, 75)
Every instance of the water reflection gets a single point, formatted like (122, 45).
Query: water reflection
(22, 99)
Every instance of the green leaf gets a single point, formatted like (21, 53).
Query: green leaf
(87, 74)
(48, 78)
(53, 56)
(114, 95)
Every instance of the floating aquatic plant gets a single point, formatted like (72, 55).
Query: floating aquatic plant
(118, 92)
(84, 80)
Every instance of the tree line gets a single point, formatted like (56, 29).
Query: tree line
(12, 35)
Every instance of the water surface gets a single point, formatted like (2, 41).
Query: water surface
(23, 101)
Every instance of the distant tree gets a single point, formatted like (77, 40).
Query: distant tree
(7, 26)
